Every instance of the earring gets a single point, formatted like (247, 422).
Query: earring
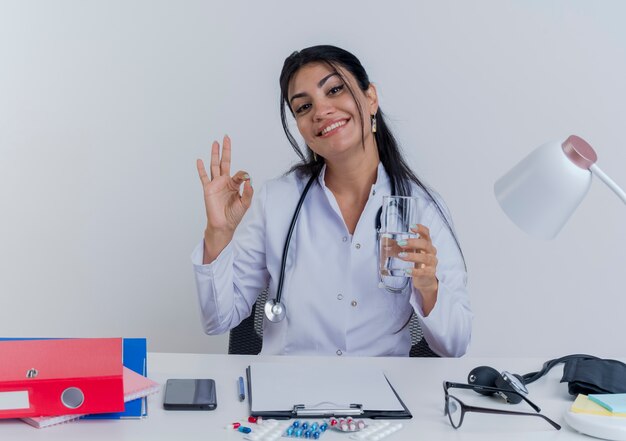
(373, 123)
(314, 157)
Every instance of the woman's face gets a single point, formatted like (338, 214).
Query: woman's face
(326, 113)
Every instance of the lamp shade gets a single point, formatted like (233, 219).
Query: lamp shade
(541, 192)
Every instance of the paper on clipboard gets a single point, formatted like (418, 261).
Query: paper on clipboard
(275, 388)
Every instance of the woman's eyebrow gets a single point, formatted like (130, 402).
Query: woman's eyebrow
(319, 84)
(323, 80)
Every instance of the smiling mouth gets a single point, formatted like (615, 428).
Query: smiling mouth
(332, 127)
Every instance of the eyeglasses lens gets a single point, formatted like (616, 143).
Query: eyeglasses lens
(453, 408)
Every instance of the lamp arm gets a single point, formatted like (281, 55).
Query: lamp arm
(608, 181)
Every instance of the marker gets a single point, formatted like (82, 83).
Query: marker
(242, 393)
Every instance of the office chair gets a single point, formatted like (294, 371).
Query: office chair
(247, 337)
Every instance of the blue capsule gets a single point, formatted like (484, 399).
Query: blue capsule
(289, 431)
(323, 427)
(244, 429)
(298, 433)
(316, 434)
(314, 427)
(305, 425)
(307, 434)
(296, 423)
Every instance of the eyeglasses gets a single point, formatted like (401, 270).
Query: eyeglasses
(456, 409)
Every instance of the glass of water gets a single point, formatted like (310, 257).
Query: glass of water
(397, 216)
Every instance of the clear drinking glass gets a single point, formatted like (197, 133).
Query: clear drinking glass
(397, 215)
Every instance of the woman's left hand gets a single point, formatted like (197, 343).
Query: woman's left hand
(423, 254)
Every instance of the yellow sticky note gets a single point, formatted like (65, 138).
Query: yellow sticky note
(583, 404)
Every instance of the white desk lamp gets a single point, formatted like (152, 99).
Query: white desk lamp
(539, 195)
(541, 192)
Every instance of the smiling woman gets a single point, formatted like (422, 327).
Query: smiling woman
(332, 293)
(327, 114)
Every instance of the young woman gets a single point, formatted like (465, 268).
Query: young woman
(331, 290)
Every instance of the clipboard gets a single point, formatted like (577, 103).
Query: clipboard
(286, 390)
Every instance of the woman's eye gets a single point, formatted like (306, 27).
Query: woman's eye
(302, 108)
(335, 90)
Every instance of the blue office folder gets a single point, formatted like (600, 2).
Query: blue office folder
(134, 357)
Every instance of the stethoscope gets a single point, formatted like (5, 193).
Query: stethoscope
(275, 310)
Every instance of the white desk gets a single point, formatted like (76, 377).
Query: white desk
(417, 380)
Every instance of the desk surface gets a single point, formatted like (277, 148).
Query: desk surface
(417, 380)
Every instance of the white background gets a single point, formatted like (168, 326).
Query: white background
(105, 106)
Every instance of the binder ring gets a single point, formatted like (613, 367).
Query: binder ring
(72, 398)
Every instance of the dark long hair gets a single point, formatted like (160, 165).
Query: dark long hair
(400, 174)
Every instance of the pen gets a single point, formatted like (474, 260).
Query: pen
(242, 393)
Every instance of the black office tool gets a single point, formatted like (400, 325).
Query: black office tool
(190, 394)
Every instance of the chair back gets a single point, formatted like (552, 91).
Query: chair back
(247, 337)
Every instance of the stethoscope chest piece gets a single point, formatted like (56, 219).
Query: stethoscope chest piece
(274, 311)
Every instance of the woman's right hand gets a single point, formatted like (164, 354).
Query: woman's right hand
(225, 207)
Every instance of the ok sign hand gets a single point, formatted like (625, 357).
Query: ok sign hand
(225, 205)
